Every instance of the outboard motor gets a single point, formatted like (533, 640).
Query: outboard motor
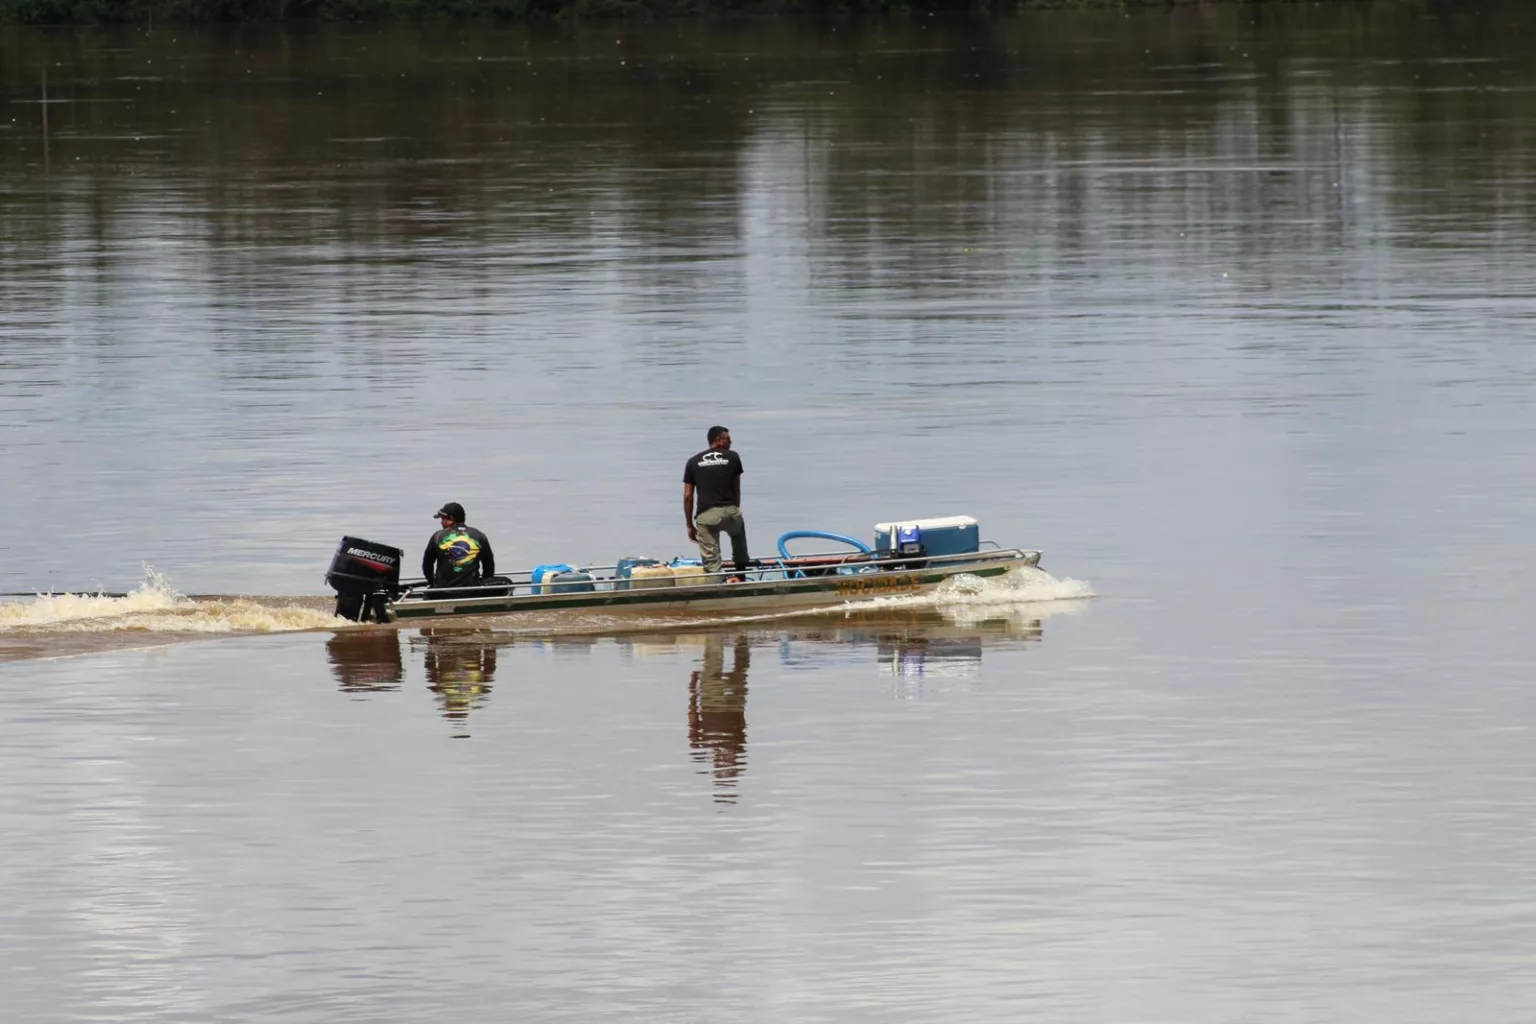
(365, 576)
(907, 544)
(922, 539)
(909, 541)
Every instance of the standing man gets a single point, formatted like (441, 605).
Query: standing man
(714, 475)
(457, 555)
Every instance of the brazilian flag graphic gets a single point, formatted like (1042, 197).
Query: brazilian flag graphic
(460, 549)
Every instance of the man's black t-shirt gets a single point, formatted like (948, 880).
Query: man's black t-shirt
(713, 474)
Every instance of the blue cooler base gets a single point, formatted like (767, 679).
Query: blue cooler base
(541, 573)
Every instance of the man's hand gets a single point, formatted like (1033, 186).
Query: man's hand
(693, 534)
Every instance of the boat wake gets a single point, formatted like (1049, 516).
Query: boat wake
(1025, 586)
(155, 613)
(155, 607)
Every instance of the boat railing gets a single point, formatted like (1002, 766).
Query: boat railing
(764, 570)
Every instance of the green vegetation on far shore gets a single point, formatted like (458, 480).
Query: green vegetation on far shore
(57, 12)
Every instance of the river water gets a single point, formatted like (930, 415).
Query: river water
(1229, 309)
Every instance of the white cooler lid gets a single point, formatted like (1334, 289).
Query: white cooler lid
(951, 522)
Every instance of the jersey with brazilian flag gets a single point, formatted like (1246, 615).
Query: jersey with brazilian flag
(457, 554)
(459, 550)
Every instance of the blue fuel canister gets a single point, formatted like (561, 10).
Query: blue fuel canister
(626, 568)
(542, 572)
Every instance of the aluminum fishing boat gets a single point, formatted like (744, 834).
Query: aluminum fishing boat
(908, 558)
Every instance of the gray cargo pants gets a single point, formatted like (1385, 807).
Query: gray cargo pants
(710, 524)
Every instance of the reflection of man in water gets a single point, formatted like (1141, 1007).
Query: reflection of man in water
(459, 670)
(717, 712)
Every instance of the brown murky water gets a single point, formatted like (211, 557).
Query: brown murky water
(1228, 308)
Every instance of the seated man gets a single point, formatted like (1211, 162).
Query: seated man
(457, 555)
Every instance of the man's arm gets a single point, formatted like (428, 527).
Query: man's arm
(487, 557)
(429, 558)
(693, 534)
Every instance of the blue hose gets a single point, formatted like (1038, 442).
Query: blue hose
(819, 535)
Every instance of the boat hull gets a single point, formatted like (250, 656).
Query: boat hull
(750, 597)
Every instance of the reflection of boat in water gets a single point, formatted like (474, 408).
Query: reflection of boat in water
(915, 642)
(459, 665)
(365, 661)
(936, 658)
(921, 641)
(915, 645)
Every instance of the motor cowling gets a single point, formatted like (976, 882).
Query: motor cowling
(365, 576)
(906, 552)
(908, 541)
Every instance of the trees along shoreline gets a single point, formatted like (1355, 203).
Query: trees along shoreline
(85, 12)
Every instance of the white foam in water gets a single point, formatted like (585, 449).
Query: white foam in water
(155, 606)
(1025, 586)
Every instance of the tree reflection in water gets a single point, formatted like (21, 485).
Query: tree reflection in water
(717, 713)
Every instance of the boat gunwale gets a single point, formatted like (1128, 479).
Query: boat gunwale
(853, 586)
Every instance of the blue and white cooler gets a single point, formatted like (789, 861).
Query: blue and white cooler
(949, 535)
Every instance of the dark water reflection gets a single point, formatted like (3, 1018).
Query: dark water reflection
(459, 672)
(459, 665)
(366, 661)
(717, 712)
